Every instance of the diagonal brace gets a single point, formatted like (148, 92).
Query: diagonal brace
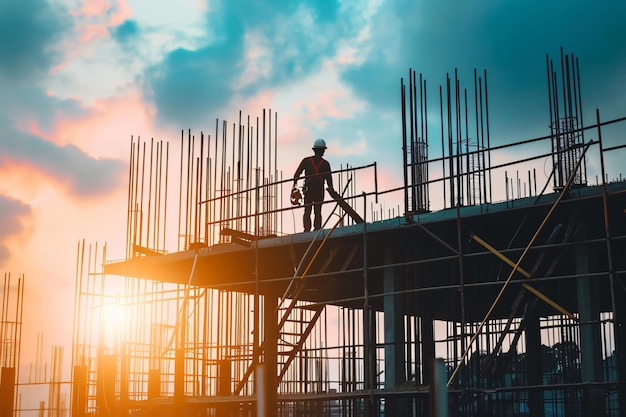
(508, 280)
(519, 269)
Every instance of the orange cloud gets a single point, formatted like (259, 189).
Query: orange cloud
(95, 17)
(28, 181)
(105, 128)
(259, 102)
(116, 11)
(91, 32)
(93, 7)
(121, 12)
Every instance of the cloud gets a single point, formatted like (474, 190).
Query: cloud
(249, 48)
(83, 175)
(13, 215)
(26, 104)
(125, 32)
(188, 85)
(95, 18)
(508, 39)
(28, 29)
(27, 114)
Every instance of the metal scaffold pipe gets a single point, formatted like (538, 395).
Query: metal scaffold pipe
(517, 264)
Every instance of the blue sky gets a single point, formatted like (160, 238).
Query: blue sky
(78, 78)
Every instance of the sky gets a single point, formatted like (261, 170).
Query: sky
(78, 78)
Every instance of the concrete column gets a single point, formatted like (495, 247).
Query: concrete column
(179, 375)
(224, 377)
(590, 335)
(393, 323)
(394, 328)
(266, 373)
(369, 357)
(7, 391)
(427, 340)
(439, 390)
(124, 383)
(79, 391)
(105, 381)
(154, 383)
(534, 362)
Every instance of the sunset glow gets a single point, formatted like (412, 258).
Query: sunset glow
(83, 81)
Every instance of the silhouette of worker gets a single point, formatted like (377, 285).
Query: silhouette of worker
(316, 170)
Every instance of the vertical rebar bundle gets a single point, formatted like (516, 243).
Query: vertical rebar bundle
(466, 161)
(415, 146)
(229, 180)
(566, 120)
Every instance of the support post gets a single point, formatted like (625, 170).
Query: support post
(266, 374)
(393, 305)
(224, 378)
(7, 392)
(439, 389)
(590, 335)
(154, 383)
(534, 363)
(179, 375)
(79, 391)
(105, 383)
(124, 383)
(427, 341)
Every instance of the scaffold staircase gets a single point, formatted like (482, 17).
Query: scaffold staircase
(293, 334)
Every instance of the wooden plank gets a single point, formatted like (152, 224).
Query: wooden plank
(345, 206)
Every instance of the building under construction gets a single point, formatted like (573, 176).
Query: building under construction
(515, 283)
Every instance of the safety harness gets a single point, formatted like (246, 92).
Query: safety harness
(316, 168)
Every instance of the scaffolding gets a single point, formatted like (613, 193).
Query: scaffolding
(183, 341)
(10, 341)
(517, 290)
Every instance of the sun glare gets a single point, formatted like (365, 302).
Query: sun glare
(113, 323)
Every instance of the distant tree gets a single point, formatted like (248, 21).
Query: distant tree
(567, 357)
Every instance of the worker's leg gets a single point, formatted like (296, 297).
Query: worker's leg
(315, 195)
(309, 198)
(317, 212)
(306, 218)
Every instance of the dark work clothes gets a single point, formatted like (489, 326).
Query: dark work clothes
(316, 170)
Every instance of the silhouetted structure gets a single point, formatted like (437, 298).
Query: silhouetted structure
(518, 290)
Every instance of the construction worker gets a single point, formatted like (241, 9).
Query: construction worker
(316, 170)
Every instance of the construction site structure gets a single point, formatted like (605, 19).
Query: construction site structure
(508, 294)
(10, 341)
(42, 380)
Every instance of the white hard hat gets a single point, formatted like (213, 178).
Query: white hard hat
(319, 144)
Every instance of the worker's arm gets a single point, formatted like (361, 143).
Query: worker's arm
(298, 172)
(329, 177)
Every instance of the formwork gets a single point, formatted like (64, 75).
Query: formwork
(515, 280)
